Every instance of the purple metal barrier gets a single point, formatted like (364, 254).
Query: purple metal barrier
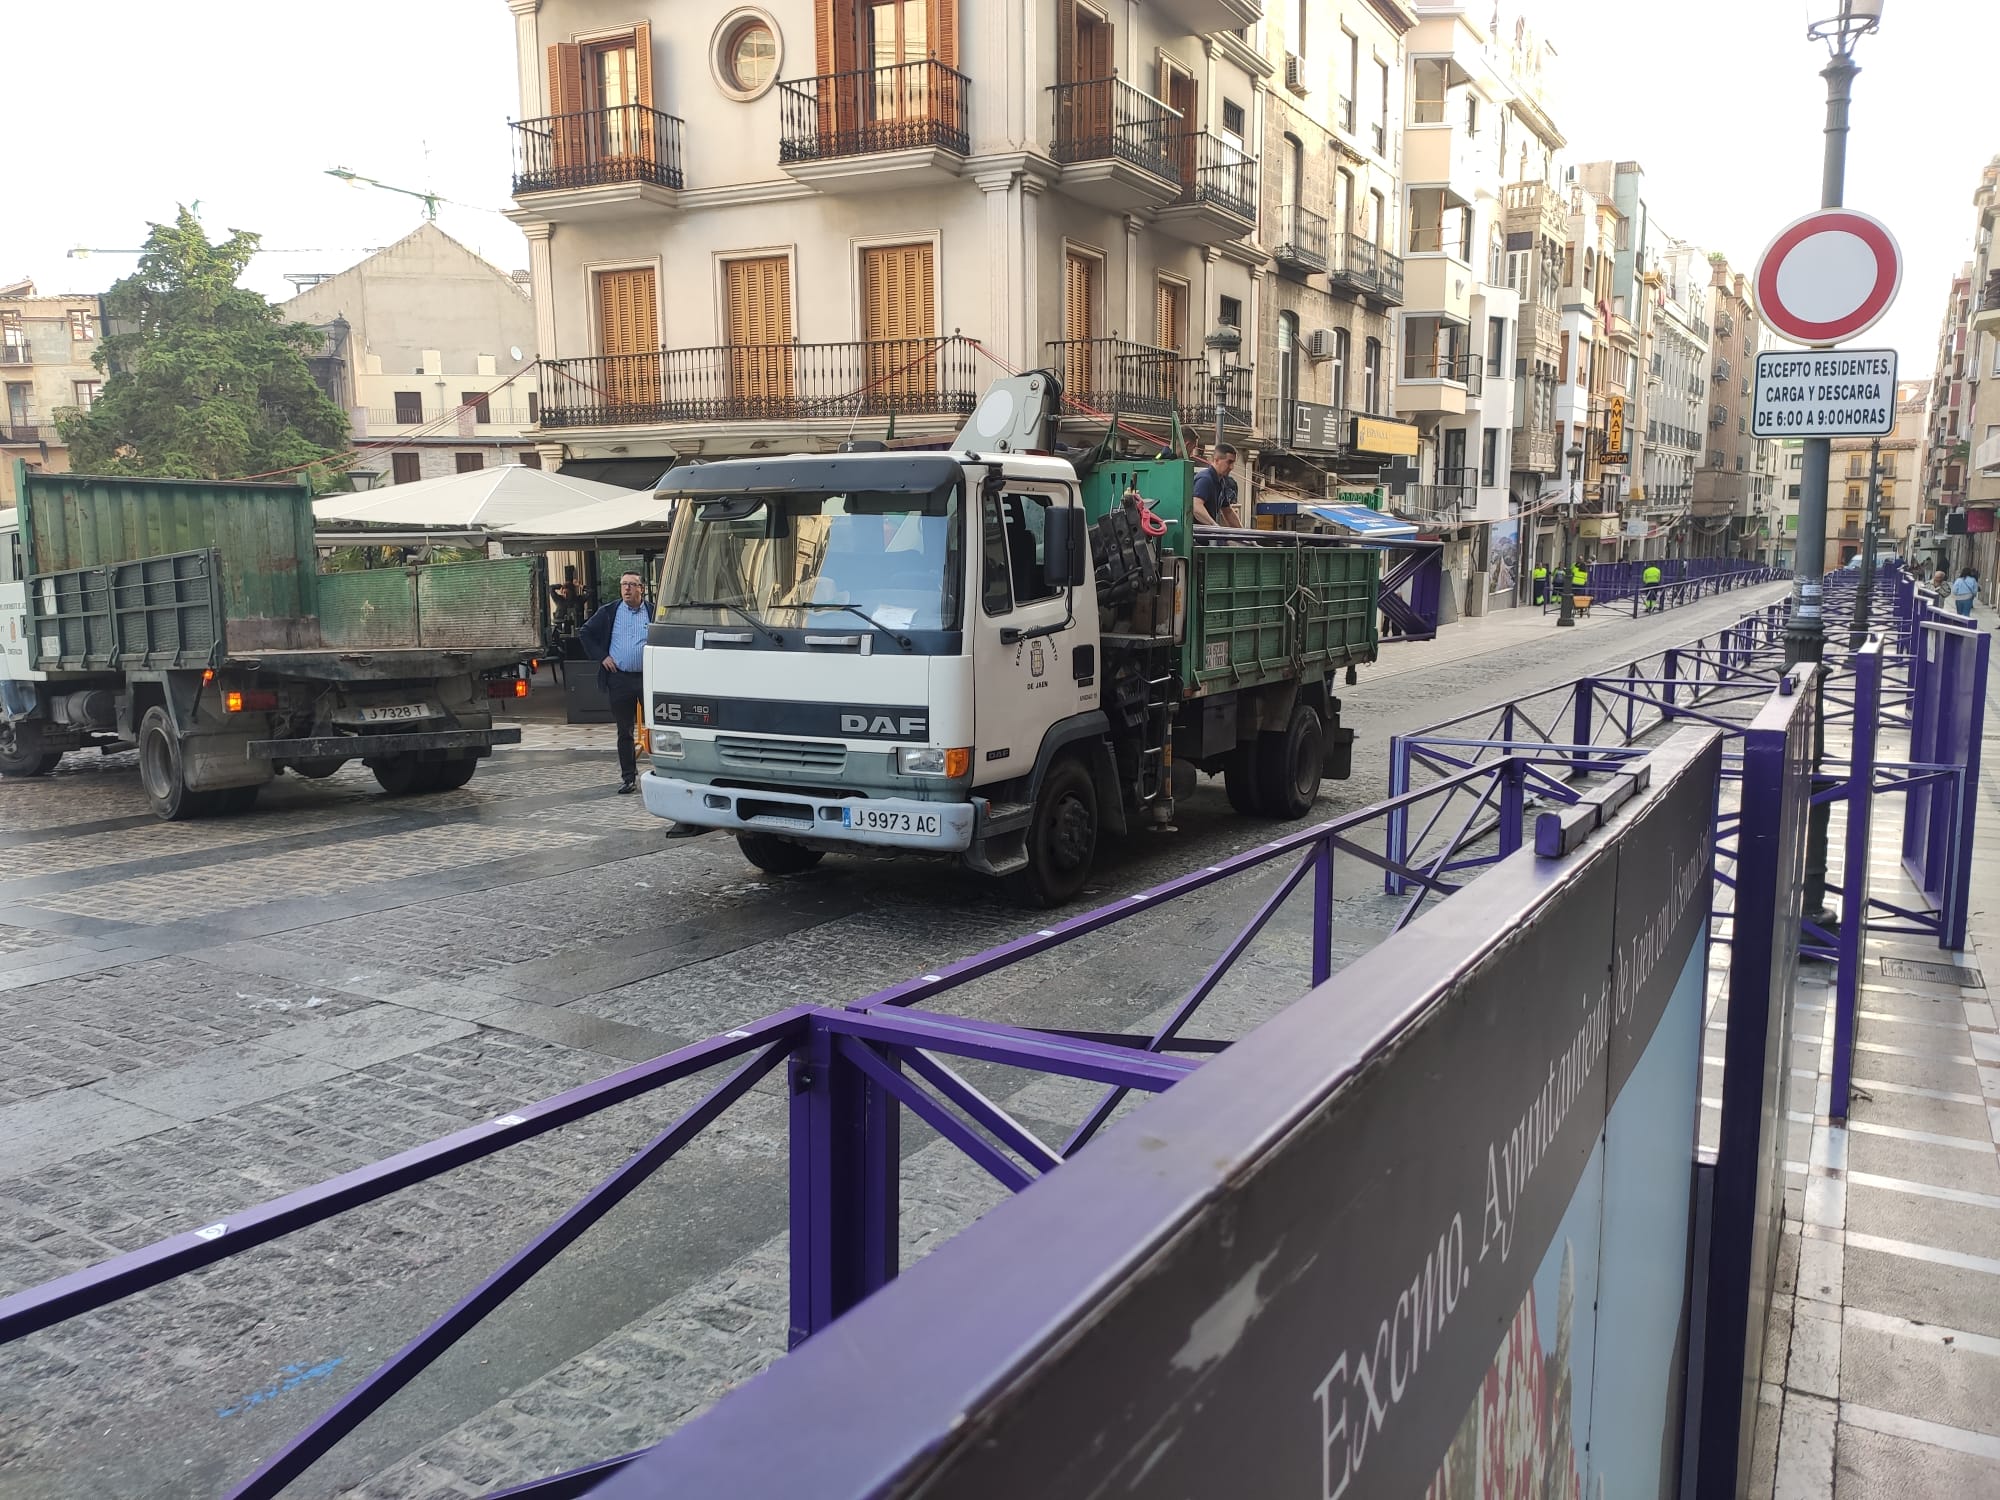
(1746, 1198)
(1947, 719)
(1857, 794)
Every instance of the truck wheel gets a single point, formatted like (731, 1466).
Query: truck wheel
(318, 770)
(20, 760)
(161, 771)
(1062, 837)
(1290, 765)
(1240, 781)
(776, 856)
(399, 775)
(450, 775)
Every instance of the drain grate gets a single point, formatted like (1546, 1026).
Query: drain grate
(1911, 968)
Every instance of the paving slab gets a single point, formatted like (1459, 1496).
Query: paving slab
(40, 1132)
(218, 1081)
(370, 1035)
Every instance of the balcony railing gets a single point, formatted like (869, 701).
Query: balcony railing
(1464, 369)
(22, 353)
(1106, 119)
(902, 108)
(1144, 380)
(29, 431)
(1534, 451)
(1302, 238)
(762, 382)
(1213, 171)
(593, 147)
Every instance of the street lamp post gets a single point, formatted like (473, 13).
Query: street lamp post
(1805, 635)
(1568, 613)
(1805, 632)
(1222, 346)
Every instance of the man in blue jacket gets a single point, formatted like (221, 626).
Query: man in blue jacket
(616, 636)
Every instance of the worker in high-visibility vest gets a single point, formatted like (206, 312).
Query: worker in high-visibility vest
(1579, 576)
(1651, 578)
(1541, 576)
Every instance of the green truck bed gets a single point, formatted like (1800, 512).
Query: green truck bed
(1272, 609)
(162, 573)
(1266, 607)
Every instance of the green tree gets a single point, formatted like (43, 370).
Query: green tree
(205, 379)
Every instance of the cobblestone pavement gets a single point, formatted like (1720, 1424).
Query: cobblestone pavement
(201, 1016)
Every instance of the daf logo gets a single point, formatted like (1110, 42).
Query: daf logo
(882, 724)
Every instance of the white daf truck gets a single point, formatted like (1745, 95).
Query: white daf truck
(977, 654)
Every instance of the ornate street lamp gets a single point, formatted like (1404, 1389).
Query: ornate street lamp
(1222, 345)
(1568, 613)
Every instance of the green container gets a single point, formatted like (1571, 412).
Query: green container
(263, 532)
(1167, 483)
(1280, 609)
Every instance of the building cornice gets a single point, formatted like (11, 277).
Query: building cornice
(1402, 20)
(1240, 52)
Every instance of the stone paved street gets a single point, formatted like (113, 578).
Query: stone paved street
(198, 1017)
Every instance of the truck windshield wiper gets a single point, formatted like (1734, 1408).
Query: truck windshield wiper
(901, 641)
(749, 619)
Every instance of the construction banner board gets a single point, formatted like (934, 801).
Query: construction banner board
(1824, 393)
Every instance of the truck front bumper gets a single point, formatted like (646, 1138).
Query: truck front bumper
(810, 819)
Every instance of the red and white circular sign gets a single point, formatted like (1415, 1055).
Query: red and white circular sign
(1828, 276)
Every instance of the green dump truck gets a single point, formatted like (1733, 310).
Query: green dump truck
(979, 654)
(190, 619)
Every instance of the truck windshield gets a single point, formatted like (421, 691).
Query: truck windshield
(895, 557)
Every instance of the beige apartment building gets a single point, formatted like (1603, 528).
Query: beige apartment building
(46, 345)
(430, 350)
(1892, 465)
(1726, 489)
(1332, 216)
(799, 223)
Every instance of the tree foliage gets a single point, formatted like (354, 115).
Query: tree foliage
(205, 379)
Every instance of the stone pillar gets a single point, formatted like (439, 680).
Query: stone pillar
(541, 282)
(1133, 326)
(528, 57)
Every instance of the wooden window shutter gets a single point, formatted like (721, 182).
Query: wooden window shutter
(1166, 330)
(1066, 41)
(642, 44)
(944, 31)
(567, 140)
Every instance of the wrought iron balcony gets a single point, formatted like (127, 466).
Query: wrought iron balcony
(1144, 380)
(1354, 263)
(22, 353)
(1107, 119)
(762, 383)
(1214, 172)
(595, 147)
(1303, 237)
(873, 110)
(30, 431)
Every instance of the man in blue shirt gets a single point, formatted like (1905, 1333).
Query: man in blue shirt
(1215, 491)
(616, 636)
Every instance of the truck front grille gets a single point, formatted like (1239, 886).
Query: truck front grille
(747, 754)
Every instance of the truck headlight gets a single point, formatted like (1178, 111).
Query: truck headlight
(924, 761)
(667, 743)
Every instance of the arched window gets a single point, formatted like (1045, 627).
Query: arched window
(1292, 184)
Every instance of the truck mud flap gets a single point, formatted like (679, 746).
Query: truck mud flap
(361, 746)
(1339, 762)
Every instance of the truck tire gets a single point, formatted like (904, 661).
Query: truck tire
(399, 775)
(1062, 837)
(1240, 781)
(318, 770)
(776, 856)
(449, 775)
(22, 760)
(162, 773)
(1291, 764)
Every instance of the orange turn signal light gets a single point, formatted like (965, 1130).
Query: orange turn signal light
(520, 687)
(233, 702)
(958, 762)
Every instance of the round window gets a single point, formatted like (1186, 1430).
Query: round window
(750, 57)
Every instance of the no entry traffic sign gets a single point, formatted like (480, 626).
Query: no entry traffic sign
(1828, 276)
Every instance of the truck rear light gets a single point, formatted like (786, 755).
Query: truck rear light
(508, 687)
(251, 702)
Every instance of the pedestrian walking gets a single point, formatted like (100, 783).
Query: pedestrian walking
(1965, 591)
(1541, 577)
(616, 637)
(1651, 579)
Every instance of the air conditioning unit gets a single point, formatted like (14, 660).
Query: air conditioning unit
(1320, 345)
(1295, 74)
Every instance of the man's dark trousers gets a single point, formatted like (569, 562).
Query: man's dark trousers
(624, 690)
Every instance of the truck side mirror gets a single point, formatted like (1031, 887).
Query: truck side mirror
(1062, 539)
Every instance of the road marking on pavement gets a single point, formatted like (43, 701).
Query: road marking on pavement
(1937, 1434)
(1929, 1333)
(1909, 1250)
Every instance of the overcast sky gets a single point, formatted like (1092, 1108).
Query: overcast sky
(243, 106)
